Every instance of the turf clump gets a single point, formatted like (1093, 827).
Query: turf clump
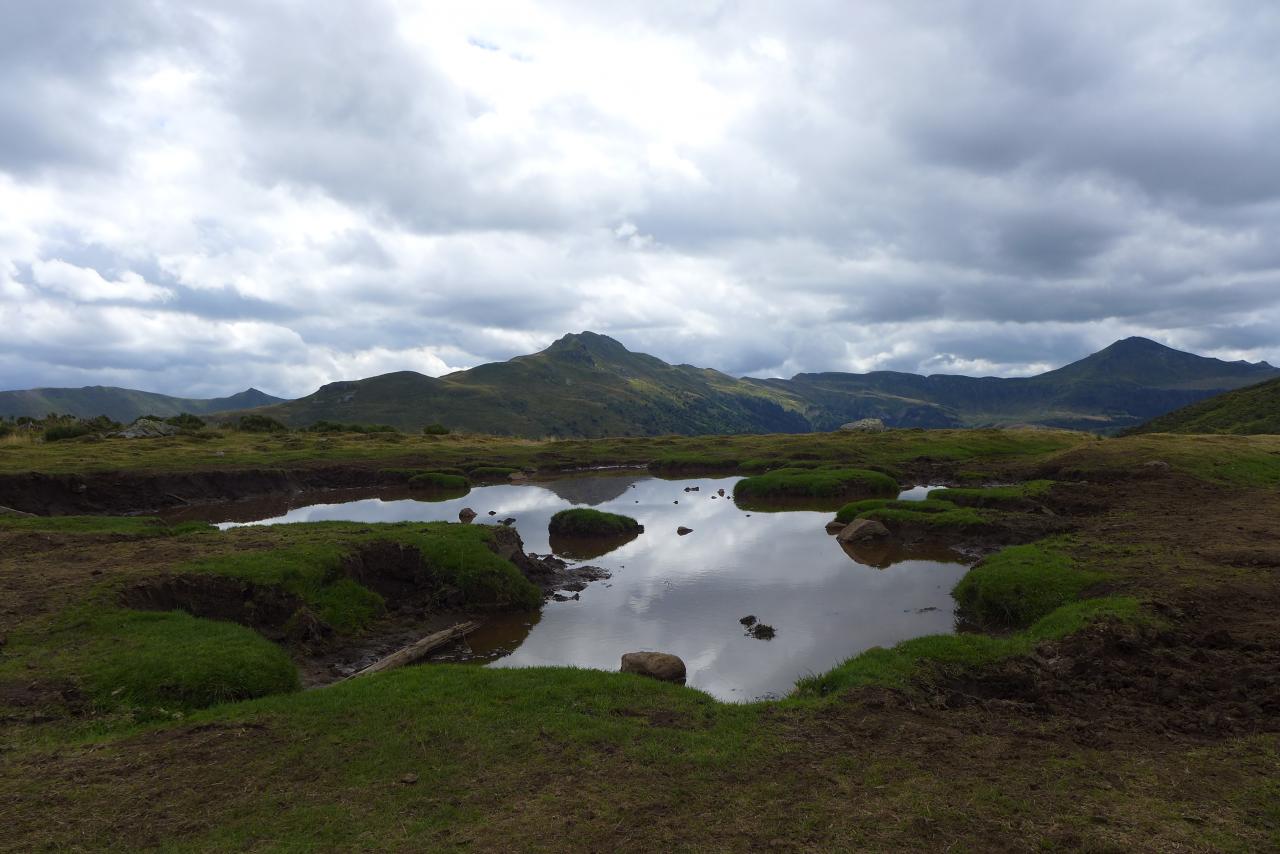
(492, 472)
(1010, 497)
(1021, 584)
(585, 522)
(816, 483)
(439, 480)
(167, 659)
(854, 509)
(910, 660)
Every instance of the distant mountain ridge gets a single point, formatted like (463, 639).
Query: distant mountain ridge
(121, 404)
(589, 385)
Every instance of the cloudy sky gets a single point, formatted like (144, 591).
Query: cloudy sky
(200, 196)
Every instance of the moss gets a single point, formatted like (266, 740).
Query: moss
(913, 659)
(957, 517)
(585, 522)
(816, 483)
(1021, 584)
(492, 472)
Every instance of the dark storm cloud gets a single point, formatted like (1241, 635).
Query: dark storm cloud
(219, 194)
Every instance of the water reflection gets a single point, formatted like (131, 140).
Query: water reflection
(686, 594)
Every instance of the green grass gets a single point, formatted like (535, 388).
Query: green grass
(815, 483)
(854, 509)
(308, 559)
(994, 496)
(1019, 585)
(959, 517)
(440, 480)
(913, 659)
(169, 660)
(134, 526)
(585, 522)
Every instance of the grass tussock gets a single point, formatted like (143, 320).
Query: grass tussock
(815, 483)
(1012, 496)
(440, 480)
(912, 660)
(585, 522)
(1019, 585)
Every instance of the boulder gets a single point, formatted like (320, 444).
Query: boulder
(517, 476)
(656, 665)
(864, 425)
(835, 526)
(861, 530)
(145, 428)
(466, 514)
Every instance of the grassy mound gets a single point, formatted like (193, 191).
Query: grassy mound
(169, 659)
(854, 509)
(309, 564)
(909, 660)
(440, 480)
(1021, 584)
(585, 522)
(994, 496)
(134, 526)
(816, 483)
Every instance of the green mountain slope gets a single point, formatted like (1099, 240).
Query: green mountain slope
(119, 404)
(591, 385)
(1250, 410)
(582, 385)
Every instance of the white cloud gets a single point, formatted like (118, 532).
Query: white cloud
(206, 196)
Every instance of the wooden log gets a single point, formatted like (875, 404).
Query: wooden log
(418, 650)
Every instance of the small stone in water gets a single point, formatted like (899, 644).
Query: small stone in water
(749, 620)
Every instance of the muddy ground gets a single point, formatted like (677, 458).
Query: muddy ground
(1118, 738)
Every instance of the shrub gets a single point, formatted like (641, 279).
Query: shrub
(67, 431)
(186, 421)
(585, 522)
(816, 483)
(435, 430)
(1018, 585)
(323, 426)
(260, 424)
(439, 480)
(5, 429)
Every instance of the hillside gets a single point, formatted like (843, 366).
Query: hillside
(582, 385)
(587, 385)
(119, 404)
(1251, 410)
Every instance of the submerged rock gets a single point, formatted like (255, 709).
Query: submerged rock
(762, 631)
(748, 621)
(656, 665)
(860, 530)
(682, 530)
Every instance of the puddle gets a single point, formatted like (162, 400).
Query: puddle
(681, 594)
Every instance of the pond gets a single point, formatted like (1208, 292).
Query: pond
(686, 594)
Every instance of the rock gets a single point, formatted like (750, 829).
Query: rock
(493, 512)
(861, 530)
(466, 514)
(145, 428)
(1156, 466)
(656, 665)
(835, 526)
(9, 511)
(510, 520)
(517, 476)
(675, 502)
(682, 530)
(720, 492)
(748, 621)
(409, 779)
(762, 631)
(864, 425)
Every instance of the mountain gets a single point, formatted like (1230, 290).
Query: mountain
(120, 404)
(1254, 409)
(591, 385)
(582, 385)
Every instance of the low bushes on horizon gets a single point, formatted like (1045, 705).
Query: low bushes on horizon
(259, 424)
(435, 430)
(324, 426)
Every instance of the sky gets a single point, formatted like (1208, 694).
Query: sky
(197, 197)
